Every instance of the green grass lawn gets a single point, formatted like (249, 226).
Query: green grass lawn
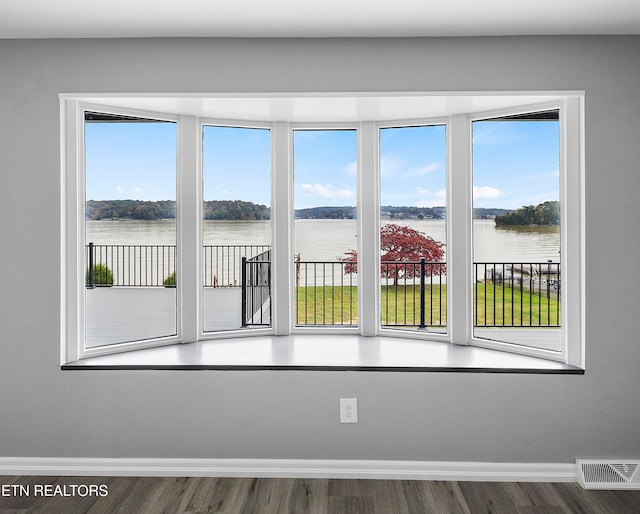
(400, 306)
(495, 305)
(328, 305)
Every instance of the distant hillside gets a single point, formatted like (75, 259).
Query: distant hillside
(235, 210)
(331, 213)
(483, 213)
(387, 211)
(130, 209)
(397, 212)
(547, 213)
(166, 209)
(404, 212)
(239, 210)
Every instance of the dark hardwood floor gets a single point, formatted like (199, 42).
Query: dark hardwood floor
(73, 495)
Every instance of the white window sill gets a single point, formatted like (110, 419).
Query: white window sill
(324, 353)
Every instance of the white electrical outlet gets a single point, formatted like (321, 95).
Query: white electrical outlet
(348, 410)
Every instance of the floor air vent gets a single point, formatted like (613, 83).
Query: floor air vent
(609, 474)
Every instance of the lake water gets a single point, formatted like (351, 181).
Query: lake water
(330, 239)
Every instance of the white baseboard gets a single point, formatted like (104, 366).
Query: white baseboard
(285, 468)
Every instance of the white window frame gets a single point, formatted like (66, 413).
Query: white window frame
(572, 269)
(360, 223)
(459, 226)
(73, 232)
(396, 332)
(197, 223)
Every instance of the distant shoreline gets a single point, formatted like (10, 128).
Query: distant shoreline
(237, 210)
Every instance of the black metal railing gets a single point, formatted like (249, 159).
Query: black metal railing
(413, 294)
(155, 265)
(222, 264)
(129, 265)
(256, 290)
(517, 294)
(325, 294)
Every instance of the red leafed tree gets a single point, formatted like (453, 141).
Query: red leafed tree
(401, 249)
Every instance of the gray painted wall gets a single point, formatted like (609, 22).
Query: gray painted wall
(45, 412)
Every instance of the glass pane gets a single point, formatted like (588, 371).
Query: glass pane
(236, 253)
(130, 229)
(325, 184)
(516, 230)
(413, 233)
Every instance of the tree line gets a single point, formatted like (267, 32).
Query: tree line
(547, 213)
(235, 210)
(130, 209)
(166, 209)
(393, 212)
(326, 213)
(402, 211)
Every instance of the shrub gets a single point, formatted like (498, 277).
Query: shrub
(170, 281)
(102, 276)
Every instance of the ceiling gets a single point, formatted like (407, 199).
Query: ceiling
(313, 18)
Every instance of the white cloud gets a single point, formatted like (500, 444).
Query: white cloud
(119, 190)
(390, 165)
(430, 198)
(488, 192)
(351, 168)
(327, 190)
(220, 188)
(543, 176)
(421, 170)
(496, 134)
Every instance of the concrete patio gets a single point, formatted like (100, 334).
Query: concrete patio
(122, 314)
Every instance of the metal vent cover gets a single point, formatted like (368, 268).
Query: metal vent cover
(609, 474)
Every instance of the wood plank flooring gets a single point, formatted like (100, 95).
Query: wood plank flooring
(21, 494)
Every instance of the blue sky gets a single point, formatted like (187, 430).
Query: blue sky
(413, 166)
(515, 163)
(237, 164)
(324, 168)
(130, 161)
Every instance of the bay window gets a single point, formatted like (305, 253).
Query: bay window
(413, 233)
(236, 227)
(129, 228)
(516, 249)
(391, 215)
(325, 184)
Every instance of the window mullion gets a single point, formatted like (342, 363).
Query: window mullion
(573, 252)
(282, 216)
(459, 215)
(73, 243)
(369, 229)
(189, 228)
